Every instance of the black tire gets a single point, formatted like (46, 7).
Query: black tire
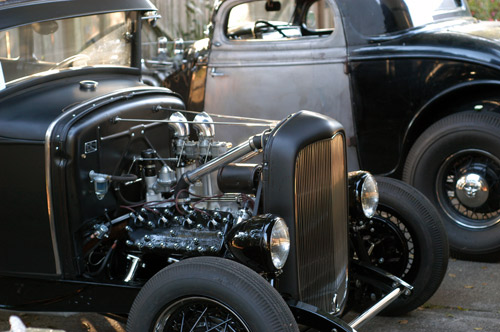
(213, 288)
(462, 148)
(410, 242)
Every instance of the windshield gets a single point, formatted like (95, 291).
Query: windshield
(45, 47)
(427, 11)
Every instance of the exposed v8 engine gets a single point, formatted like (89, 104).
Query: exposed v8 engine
(185, 205)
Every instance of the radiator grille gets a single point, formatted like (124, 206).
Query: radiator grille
(321, 220)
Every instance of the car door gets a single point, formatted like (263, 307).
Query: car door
(271, 63)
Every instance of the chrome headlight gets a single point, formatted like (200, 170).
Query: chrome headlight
(279, 244)
(363, 194)
(261, 242)
(369, 196)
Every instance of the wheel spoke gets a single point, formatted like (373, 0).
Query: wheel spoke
(216, 326)
(198, 320)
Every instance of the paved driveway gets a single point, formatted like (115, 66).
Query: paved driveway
(468, 300)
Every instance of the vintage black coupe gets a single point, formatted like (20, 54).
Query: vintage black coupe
(115, 198)
(414, 82)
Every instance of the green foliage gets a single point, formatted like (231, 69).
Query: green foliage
(488, 10)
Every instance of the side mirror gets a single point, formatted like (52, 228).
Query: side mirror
(45, 28)
(273, 6)
(178, 46)
(161, 44)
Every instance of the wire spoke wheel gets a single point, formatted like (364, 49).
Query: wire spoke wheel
(406, 238)
(391, 243)
(209, 294)
(199, 314)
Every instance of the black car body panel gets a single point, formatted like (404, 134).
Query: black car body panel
(465, 57)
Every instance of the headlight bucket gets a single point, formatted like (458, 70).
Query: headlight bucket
(363, 194)
(261, 242)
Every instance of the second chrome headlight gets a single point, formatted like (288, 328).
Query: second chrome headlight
(363, 194)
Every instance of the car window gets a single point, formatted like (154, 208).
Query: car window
(319, 17)
(254, 20)
(65, 44)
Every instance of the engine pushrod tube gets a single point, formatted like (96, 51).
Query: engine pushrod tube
(254, 143)
(234, 154)
(376, 308)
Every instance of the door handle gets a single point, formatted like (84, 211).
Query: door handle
(214, 73)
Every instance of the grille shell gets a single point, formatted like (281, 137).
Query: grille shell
(321, 223)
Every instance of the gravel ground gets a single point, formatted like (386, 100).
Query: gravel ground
(468, 300)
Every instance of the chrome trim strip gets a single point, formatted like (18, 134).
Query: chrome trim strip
(276, 64)
(48, 178)
(50, 204)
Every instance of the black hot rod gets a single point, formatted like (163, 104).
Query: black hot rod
(118, 199)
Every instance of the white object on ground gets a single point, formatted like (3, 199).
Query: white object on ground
(16, 324)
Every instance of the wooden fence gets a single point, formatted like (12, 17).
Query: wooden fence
(185, 19)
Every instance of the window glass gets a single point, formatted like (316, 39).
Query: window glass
(251, 20)
(319, 17)
(254, 20)
(63, 44)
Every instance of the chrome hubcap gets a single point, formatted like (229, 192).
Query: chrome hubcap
(468, 188)
(472, 190)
